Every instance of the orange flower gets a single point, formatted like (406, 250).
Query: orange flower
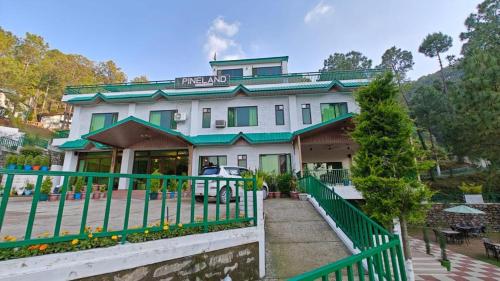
(33, 247)
(98, 229)
(43, 247)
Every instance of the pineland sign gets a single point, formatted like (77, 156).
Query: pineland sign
(202, 81)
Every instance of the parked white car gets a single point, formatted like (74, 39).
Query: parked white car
(223, 172)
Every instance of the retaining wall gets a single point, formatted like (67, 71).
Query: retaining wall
(491, 219)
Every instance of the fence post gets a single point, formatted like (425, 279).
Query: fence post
(254, 194)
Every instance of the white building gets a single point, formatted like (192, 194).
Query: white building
(250, 113)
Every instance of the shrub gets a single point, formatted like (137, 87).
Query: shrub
(470, 188)
(172, 185)
(46, 186)
(31, 150)
(29, 160)
(45, 161)
(29, 186)
(37, 160)
(21, 159)
(11, 159)
(155, 183)
(259, 177)
(271, 180)
(79, 185)
(286, 183)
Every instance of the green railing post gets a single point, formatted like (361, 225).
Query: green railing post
(217, 201)
(34, 204)
(205, 205)
(86, 204)
(127, 210)
(254, 194)
(146, 203)
(163, 202)
(111, 181)
(60, 210)
(179, 201)
(5, 198)
(193, 189)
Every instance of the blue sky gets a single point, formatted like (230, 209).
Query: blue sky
(168, 39)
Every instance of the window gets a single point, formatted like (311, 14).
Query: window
(306, 114)
(206, 118)
(102, 120)
(237, 72)
(209, 161)
(332, 110)
(242, 160)
(163, 118)
(242, 116)
(271, 70)
(280, 114)
(275, 163)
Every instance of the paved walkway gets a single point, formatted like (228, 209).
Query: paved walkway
(427, 267)
(297, 239)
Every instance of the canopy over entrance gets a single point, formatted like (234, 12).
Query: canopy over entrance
(132, 131)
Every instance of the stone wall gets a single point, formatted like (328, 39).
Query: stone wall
(240, 263)
(491, 219)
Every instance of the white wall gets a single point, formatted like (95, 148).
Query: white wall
(247, 68)
(232, 152)
(142, 111)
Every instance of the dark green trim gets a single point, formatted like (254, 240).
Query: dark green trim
(249, 61)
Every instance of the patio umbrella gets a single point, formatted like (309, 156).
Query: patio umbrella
(462, 209)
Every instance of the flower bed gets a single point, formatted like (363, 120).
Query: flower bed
(91, 241)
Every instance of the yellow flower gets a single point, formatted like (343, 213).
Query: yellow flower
(9, 238)
(74, 242)
(65, 232)
(165, 227)
(179, 225)
(146, 231)
(90, 235)
(43, 247)
(114, 237)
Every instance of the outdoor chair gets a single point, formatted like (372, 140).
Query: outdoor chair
(491, 249)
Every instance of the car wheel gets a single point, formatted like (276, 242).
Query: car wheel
(265, 192)
(199, 199)
(223, 196)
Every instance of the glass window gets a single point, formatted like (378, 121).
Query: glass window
(280, 114)
(209, 161)
(163, 118)
(237, 72)
(101, 120)
(306, 114)
(242, 116)
(275, 163)
(332, 110)
(271, 70)
(242, 161)
(205, 122)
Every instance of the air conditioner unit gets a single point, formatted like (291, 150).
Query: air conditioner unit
(180, 116)
(220, 123)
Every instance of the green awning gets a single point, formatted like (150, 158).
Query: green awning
(81, 144)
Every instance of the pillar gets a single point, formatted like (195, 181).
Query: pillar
(190, 160)
(126, 167)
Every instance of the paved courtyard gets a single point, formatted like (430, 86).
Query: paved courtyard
(18, 212)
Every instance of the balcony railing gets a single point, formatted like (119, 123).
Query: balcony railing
(380, 256)
(242, 209)
(12, 144)
(332, 176)
(245, 80)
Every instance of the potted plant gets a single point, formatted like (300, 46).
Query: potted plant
(36, 162)
(172, 187)
(78, 188)
(11, 161)
(272, 185)
(45, 189)
(28, 163)
(302, 193)
(28, 189)
(44, 163)
(185, 187)
(20, 161)
(102, 189)
(285, 184)
(155, 186)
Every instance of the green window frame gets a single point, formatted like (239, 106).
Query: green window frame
(306, 114)
(280, 114)
(163, 118)
(206, 118)
(242, 160)
(102, 120)
(242, 116)
(214, 160)
(275, 163)
(332, 110)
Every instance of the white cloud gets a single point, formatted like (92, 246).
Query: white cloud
(220, 40)
(318, 11)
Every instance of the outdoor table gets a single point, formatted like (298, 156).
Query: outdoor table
(451, 235)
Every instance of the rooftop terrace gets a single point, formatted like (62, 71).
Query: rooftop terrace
(351, 78)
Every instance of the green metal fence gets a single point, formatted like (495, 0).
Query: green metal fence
(331, 176)
(238, 207)
(61, 134)
(12, 144)
(380, 254)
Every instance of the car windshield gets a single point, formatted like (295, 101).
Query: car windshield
(233, 171)
(210, 171)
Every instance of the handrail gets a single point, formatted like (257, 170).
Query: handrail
(223, 213)
(380, 251)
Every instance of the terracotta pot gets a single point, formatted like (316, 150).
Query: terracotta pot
(36, 168)
(69, 195)
(96, 195)
(294, 194)
(277, 194)
(54, 197)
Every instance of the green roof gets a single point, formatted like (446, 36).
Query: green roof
(203, 140)
(81, 144)
(249, 61)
